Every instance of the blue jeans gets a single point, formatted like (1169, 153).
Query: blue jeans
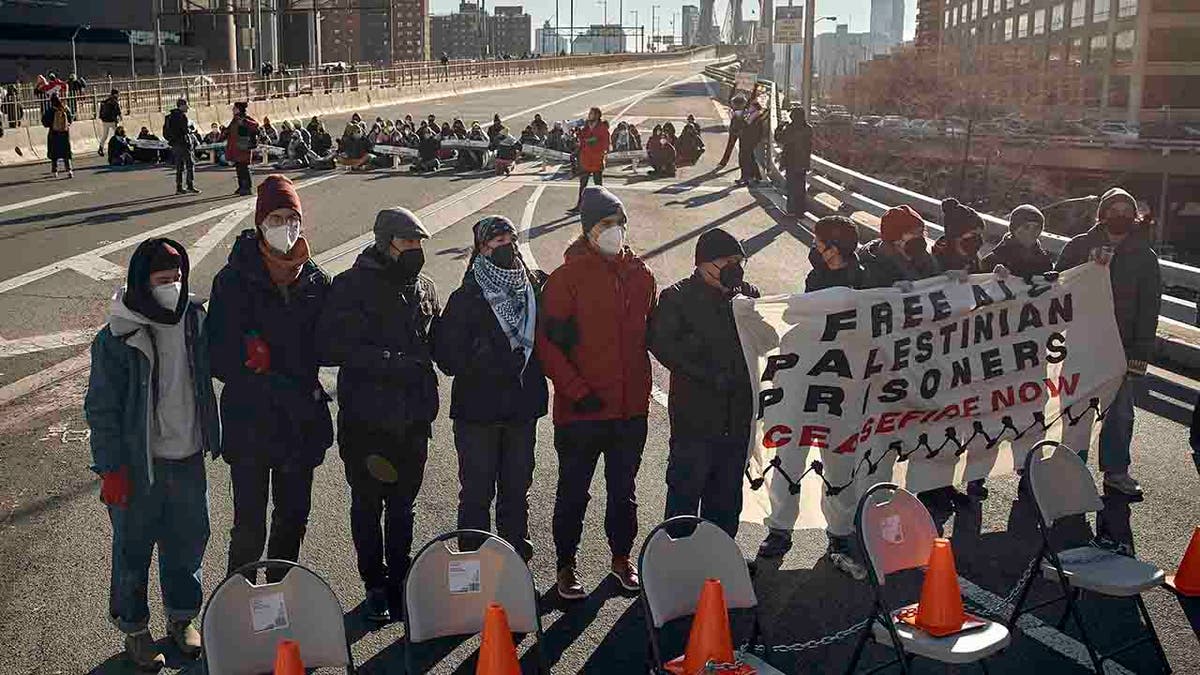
(1116, 432)
(174, 516)
(704, 477)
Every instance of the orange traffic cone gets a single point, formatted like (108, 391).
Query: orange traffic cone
(940, 611)
(497, 654)
(709, 639)
(287, 658)
(1187, 580)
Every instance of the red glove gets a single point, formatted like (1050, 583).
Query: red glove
(258, 354)
(115, 487)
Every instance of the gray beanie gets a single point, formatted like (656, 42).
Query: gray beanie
(596, 204)
(397, 222)
(1113, 196)
(1026, 214)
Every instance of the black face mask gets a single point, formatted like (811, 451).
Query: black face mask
(409, 263)
(915, 247)
(1118, 225)
(504, 256)
(731, 276)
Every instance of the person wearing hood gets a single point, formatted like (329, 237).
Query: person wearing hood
(508, 151)
(275, 414)
(593, 146)
(1020, 250)
(1120, 241)
(539, 125)
(711, 402)
(153, 416)
(474, 160)
(662, 153)
(592, 343)
(322, 142)
(427, 151)
(377, 327)
(620, 138)
(269, 131)
(241, 137)
(356, 149)
(120, 152)
(690, 145)
(496, 126)
(749, 139)
(833, 255)
(795, 138)
(486, 342)
(183, 147)
(958, 249)
(900, 253)
(528, 136)
(554, 139)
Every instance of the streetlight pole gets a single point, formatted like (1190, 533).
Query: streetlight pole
(810, 9)
(653, 30)
(634, 12)
(132, 70)
(74, 63)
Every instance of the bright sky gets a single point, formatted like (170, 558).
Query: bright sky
(855, 12)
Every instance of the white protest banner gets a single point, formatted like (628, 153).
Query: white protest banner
(395, 150)
(463, 143)
(953, 381)
(545, 153)
(626, 156)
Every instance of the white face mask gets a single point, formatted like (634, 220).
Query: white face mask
(281, 233)
(167, 295)
(611, 241)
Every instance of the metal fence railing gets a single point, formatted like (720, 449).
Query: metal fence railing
(158, 95)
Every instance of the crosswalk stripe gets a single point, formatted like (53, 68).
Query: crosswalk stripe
(40, 200)
(41, 343)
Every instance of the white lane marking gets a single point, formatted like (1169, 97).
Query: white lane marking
(87, 263)
(54, 373)
(97, 268)
(643, 95)
(540, 106)
(646, 186)
(40, 200)
(660, 396)
(526, 222)
(41, 343)
(206, 243)
(1036, 629)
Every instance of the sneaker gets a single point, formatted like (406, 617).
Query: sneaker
(626, 573)
(376, 607)
(568, 585)
(1123, 483)
(54, 173)
(849, 565)
(777, 543)
(140, 649)
(70, 173)
(978, 489)
(186, 638)
(180, 191)
(193, 190)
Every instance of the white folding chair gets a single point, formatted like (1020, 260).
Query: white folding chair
(243, 623)
(1063, 486)
(896, 532)
(674, 570)
(446, 593)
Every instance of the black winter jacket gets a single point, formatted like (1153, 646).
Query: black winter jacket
(1022, 261)
(692, 332)
(950, 259)
(175, 129)
(471, 347)
(1136, 286)
(377, 327)
(821, 277)
(795, 139)
(280, 418)
(883, 265)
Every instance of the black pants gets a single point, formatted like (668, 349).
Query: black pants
(580, 445)
(495, 460)
(731, 141)
(291, 491)
(704, 477)
(598, 176)
(747, 163)
(796, 190)
(185, 165)
(385, 469)
(243, 176)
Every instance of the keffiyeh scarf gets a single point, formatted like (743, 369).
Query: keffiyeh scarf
(511, 297)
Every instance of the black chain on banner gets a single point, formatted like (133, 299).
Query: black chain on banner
(950, 440)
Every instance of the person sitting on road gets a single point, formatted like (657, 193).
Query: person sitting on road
(153, 416)
(621, 140)
(355, 149)
(497, 125)
(445, 134)
(539, 125)
(554, 139)
(691, 122)
(458, 128)
(690, 146)
(146, 154)
(313, 124)
(662, 154)
(120, 152)
(427, 157)
(269, 132)
(374, 134)
(1020, 250)
(508, 151)
(214, 136)
(474, 160)
(529, 137)
(669, 132)
(322, 142)
(635, 138)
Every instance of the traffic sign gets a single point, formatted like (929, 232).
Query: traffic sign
(789, 25)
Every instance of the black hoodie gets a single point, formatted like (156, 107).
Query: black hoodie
(883, 265)
(821, 277)
(137, 283)
(1023, 261)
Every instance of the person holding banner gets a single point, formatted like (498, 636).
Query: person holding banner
(593, 146)
(900, 254)
(1020, 251)
(591, 341)
(1120, 240)
(833, 257)
(693, 334)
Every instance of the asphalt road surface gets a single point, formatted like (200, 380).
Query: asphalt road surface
(62, 255)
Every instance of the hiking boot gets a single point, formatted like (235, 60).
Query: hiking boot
(192, 189)
(568, 585)
(626, 573)
(1123, 483)
(848, 565)
(140, 649)
(376, 607)
(186, 638)
(978, 489)
(777, 543)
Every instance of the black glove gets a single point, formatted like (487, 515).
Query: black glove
(588, 404)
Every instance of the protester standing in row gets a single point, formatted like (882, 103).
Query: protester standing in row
(592, 343)
(57, 119)
(110, 117)
(1020, 250)
(711, 403)
(737, 122)
(795, 138)
(750, 137)
(1120, 240)
(241, 137)
(263, 312)
(152, 414)
(593, 147)
(486, 342)
(183, 146)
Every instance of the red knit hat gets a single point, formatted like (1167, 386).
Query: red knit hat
(275, 192)
(898, 221)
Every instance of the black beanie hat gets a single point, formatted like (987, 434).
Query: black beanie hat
(959, 219)
(155, 255)
(839, 232)
(717, 243)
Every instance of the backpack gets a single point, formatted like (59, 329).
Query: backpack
(60, 123)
